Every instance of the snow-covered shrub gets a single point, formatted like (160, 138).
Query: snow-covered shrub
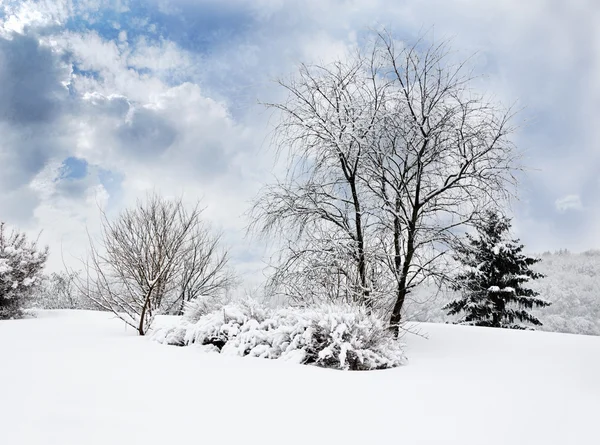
(332, 336)
(200, 306)
(21, 265)
(207, 321)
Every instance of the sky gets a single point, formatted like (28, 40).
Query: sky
(103, 101)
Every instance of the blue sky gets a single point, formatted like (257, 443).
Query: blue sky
(101, 101)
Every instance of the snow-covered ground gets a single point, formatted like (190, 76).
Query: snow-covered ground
(82, 378)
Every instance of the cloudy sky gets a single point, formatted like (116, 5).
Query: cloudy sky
(101, 101)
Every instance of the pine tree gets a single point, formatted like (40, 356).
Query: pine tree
(491, 283)
(21, 265)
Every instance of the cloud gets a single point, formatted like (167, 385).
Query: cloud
(32, 80)
(112, 105)
(133, 125)
(18, 206)
(163, 95)
(34, 100)
(569, 202)
(145, 134)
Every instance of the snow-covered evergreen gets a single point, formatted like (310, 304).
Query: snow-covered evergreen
(491, 285)
(21, 265)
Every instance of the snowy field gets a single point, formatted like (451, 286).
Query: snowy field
(82, 378)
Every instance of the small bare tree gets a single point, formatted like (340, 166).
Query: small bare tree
(204, 268)
(150, 258)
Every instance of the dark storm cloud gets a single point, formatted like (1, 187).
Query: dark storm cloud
(31, 77)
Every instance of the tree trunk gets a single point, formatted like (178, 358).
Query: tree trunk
(143, 314)
(396, 317)
(182, 306)
(401, 290)
(360, 241)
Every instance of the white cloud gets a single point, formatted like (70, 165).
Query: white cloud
(569, 202)
(19, 15)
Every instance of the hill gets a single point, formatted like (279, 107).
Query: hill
(77, 377)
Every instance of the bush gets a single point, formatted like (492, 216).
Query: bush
(332, 336)
(194, 310)
(201, 306)
(21, 265)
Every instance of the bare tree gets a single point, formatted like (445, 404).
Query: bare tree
(327, 126)
(392, 154)
(149, 259)
(58, 290)
(204, 268)
(444, 155)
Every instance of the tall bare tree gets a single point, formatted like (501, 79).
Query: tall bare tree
(444, 155)
(392, 153)
(327, 128)
(150, 258)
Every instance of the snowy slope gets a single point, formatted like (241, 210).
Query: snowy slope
(81, 378)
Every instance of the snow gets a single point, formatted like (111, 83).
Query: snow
(332, 335)
(77, 377)
(507, 289)
(4, 266)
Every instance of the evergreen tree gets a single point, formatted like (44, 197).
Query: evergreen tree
(491, 283)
